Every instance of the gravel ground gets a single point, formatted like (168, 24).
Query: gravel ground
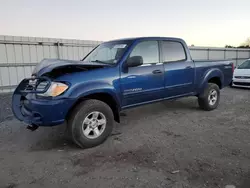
(168, 144)
(5, 107)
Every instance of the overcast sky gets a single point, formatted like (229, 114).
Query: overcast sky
(202, 23)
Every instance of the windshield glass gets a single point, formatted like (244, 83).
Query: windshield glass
(245, 65)
(108, 52)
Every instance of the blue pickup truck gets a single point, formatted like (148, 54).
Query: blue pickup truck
(90, 94)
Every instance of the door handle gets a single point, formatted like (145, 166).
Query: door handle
(157, 72)
(188, 67)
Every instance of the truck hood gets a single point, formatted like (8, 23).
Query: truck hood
(64, 66)
(242, 72)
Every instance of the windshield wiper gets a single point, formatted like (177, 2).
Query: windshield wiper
(98, 61)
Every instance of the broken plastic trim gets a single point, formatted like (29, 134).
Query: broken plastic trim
(25, 83)
(32, 127)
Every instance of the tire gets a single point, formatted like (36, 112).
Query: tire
(204, 100)
(82, 120)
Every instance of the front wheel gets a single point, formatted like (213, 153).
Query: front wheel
(210, 98)
(90, 123)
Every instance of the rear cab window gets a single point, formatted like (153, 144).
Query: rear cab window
(173, 51)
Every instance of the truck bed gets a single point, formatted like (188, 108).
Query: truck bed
(225, 66)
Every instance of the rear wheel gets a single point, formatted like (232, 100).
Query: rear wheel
(90, 123)
(210, 98)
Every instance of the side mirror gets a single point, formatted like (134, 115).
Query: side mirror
(134, 61)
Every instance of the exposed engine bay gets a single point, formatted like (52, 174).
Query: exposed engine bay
(59, 71)
(54, 68)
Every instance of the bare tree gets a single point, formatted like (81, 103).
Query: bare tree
(246, 44)
(229, 46)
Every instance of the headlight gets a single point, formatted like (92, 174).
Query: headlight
(55, 89)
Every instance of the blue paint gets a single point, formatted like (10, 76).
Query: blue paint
(129, 87)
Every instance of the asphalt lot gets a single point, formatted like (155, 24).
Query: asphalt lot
(168, 144)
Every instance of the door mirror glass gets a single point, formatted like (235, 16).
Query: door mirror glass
(134, 61)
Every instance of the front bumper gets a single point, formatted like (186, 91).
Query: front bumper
(27, 107)
(245, 83)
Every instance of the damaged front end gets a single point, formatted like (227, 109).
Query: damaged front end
(30, 106)
(57, 67)
(24, 93)
(42, 99)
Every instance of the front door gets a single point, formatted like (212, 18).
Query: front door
(144, 83)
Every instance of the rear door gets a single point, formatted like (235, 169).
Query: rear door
(179, 71)
(144, 83)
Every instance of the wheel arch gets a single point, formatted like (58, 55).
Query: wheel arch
(215, 76)
(216, 80)
(105, 97)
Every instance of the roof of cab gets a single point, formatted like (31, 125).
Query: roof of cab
(149, 38)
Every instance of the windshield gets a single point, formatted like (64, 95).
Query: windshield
(245, 65)
(108, 52)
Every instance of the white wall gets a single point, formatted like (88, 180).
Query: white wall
(19, 55)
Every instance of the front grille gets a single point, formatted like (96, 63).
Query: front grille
(29, 88)
(242, 83)
(242, 77)
(29, 85)
(38, 85)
